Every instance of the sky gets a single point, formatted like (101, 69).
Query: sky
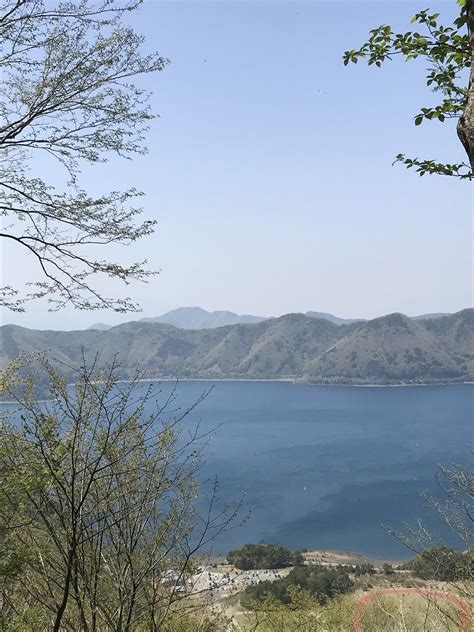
(270, 171)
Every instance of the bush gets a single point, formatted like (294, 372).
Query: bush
(443, 564)
(388, 569)
(320, 582)
(364, 569)
(258, 556)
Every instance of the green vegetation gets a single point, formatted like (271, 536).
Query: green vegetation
(302, 614)
(69, 100)
(254, 556)
(98, 529)
(443, 564)
(392, 349)
(97, 511)
(410, 613)
(320, 582)
(445, 51)
(364, 569)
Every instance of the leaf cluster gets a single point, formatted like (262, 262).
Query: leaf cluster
(447, 52)
(320, 582)
(255, 556)
(69, 98)
(98, 491)
(442, 563)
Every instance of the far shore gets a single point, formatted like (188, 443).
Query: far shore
(331, 557)
(262, 379)
(291, 380)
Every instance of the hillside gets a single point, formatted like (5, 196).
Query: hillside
(393, 349)
(334, 319)
(195, 318)
(198, 318)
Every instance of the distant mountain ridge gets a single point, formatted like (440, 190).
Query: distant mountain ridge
(334, 319)
(199, 318)
(195, 318)
(392, 349)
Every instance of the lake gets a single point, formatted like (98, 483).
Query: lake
(325, 467)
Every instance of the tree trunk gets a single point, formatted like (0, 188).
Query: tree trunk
(466, 122)
(67, 584)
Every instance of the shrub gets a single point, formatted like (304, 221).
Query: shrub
(320, 582)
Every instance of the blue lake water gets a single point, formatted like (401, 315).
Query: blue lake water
(326, 467)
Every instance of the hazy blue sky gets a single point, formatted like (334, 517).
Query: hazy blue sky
(270, 169)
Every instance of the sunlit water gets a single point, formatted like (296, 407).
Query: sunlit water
(325, 467)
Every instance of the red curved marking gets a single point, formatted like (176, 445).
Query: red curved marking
(464, 609)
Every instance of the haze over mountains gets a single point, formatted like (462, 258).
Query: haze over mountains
(392, 349)
(199, 318)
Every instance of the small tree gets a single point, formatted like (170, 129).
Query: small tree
(321, 582)
(104, 508)
(443, 564)
(68, 99)
(302, 613)
(364, 569)
(454, 506)
(253, 556)
(447, 51)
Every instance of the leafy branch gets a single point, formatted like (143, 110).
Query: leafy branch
(448, 50)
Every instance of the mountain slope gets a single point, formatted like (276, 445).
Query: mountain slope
(393, 349)
(198, 318)
(194, 318)
(100, 326)
(334, 319)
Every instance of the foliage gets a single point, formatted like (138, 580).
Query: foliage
(411, 613)
(97, 497)
(446, 50)
(443, 564)
(303, 614)
(364, 569)
(68, 99)
(434, 560)
(294, 345)
(320, 582)
(263, 556)
(454, 505)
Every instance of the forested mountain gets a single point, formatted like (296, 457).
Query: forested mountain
(198, 318)
(393, 349)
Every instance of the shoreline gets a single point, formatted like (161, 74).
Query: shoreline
(294, 381)
(291, 381)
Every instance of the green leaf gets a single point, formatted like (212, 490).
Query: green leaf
(418, 120)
